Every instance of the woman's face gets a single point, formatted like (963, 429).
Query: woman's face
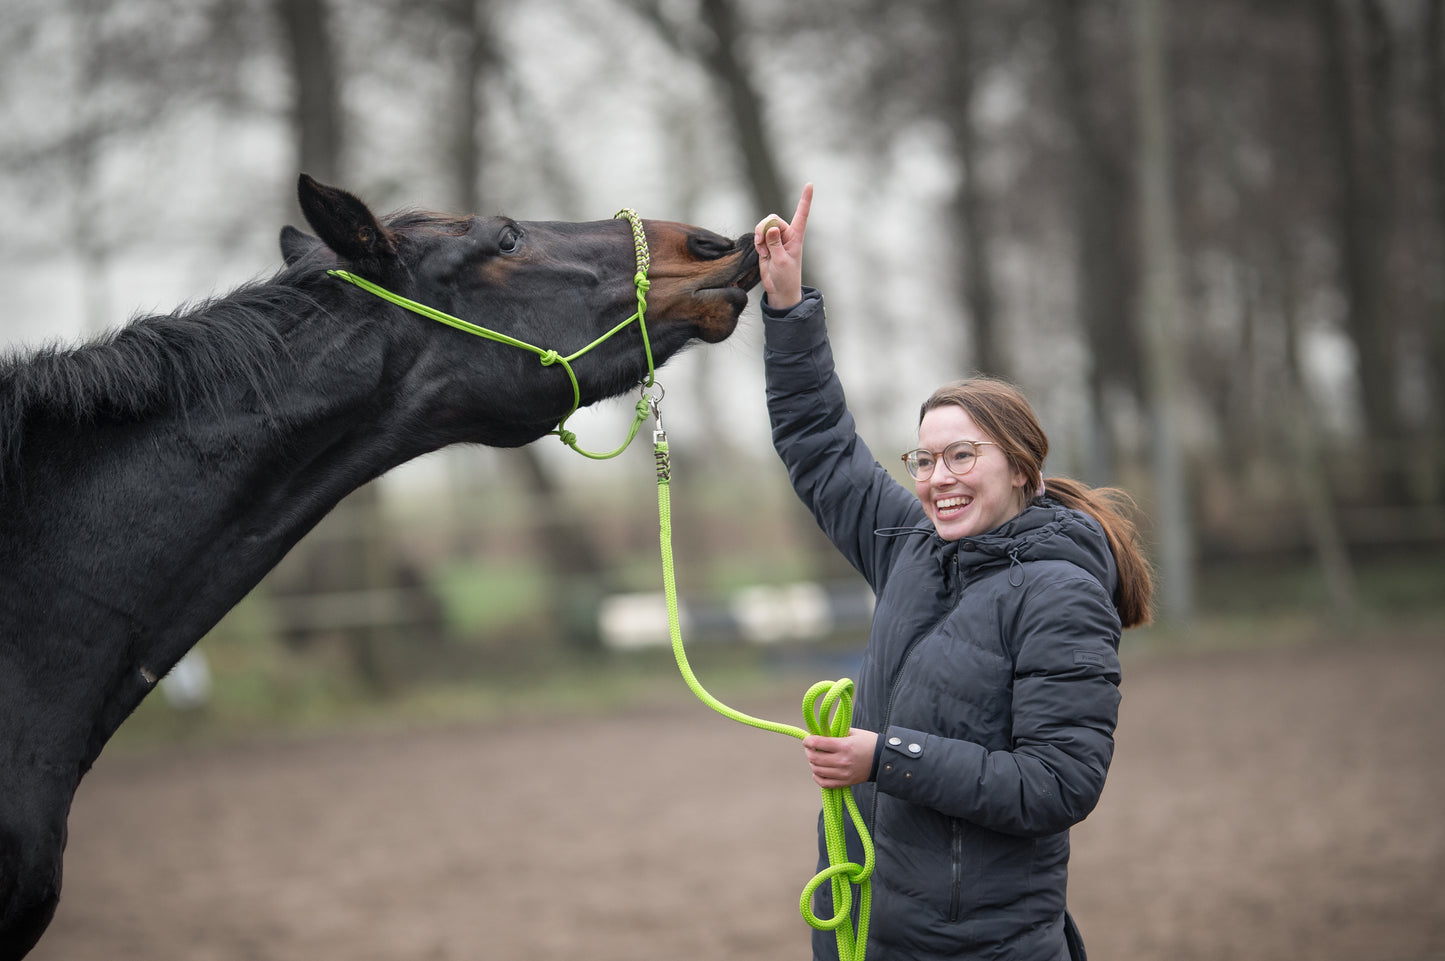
(983, 498)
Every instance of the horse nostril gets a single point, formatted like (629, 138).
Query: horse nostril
(710, 246)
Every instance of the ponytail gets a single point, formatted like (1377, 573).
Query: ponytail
(1107, 505)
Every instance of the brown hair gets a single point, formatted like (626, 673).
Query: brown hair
(1002, 412)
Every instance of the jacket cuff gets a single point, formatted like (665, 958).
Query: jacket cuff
(900, 750)
(800, 328)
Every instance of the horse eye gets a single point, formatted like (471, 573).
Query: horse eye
(510, 239)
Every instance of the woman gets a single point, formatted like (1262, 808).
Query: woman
(988, 693)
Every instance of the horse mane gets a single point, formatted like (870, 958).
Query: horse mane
(156, 363)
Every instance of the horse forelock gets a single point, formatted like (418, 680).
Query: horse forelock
(415, 219)
(155, 363)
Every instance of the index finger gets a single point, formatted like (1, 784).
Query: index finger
(805, 203)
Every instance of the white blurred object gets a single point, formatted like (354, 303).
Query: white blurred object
(768, 614)
(630, 621)
(188, 685)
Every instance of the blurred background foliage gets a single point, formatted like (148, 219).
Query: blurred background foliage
(1210, 244)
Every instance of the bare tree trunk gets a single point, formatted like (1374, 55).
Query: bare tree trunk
(348, 551)
(1101, 272)
(1307, 462)
(721, 56)
(1165, 368)
(316, 119)
(970, 221)
(724, 61)
(470, 26)
(91, 246)
(1434, 83)
(571, 553)
(1363, 218)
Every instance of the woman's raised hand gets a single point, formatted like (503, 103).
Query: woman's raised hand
(780, 253)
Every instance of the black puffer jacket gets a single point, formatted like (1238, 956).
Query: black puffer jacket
(991, 675)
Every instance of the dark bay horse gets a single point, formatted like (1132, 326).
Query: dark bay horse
(148, 480)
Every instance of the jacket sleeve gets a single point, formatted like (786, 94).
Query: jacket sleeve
(1065, 708)
(848, 492)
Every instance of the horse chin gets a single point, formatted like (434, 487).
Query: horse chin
(716, 313)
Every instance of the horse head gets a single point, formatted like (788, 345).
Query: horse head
(557, 286)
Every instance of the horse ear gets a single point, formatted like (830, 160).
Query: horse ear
(346, 225)
(296, 244)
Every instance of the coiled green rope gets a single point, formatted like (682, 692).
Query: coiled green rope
(827, 710)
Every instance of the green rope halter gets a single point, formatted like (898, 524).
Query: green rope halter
(644, 405)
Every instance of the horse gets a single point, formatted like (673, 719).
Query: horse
(150, 478)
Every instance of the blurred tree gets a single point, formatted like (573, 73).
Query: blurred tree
(1099, 178)
(1161, 314)
(1433, 96)
(721, 53)
(575, 561)
(716, 41)
(91, 246)
(86, 83)
(1362, 154)
(467, 24)
(342, 557)
(929, 66)
(1297, 431)
(962, 64)
(350, 556)
(318, 130)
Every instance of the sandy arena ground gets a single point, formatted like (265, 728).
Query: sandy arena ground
(1280, 805)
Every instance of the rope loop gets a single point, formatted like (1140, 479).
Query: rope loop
(834, 716)
(842, 898)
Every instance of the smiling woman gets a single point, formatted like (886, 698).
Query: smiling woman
(151, 478)
(987, 696)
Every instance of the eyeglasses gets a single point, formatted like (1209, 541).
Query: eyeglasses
(959, 457)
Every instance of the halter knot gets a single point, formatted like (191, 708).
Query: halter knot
(643, 284)
(549, 357)
(568, 438)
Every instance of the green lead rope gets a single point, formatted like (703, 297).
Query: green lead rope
(827, 710)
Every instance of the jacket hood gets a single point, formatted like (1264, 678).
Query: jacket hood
(1045, 530)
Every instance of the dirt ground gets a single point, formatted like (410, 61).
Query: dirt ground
(1278, 805)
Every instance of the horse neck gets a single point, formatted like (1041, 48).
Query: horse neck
(122, 541)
